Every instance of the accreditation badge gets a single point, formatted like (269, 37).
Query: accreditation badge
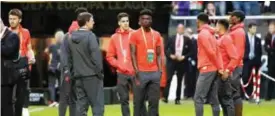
(150, 55)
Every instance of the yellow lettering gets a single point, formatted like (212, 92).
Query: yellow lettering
(60, 6)
(117, 5)
(135, 6)
(127, 5)
(25, 6)
(152, 5)
(110, 6)
(67, 5)
(100, 5)
(49, 6)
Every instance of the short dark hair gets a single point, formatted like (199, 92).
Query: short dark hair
(239, 14)
(84, 17)
(121, 15)
(224, 23)
(250, 25)
(203, 17)
(16, 12)
(80, 10)
(146, 12)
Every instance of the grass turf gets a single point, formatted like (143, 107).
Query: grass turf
(186, 109)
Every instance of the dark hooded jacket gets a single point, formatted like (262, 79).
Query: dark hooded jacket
(84, 56)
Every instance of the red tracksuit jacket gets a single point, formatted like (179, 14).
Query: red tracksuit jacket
(237, 34)
(115, 52)
(209, 58)
(228, 52)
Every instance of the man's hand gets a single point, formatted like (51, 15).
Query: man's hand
(173, 57)
(221, 72)
(225, 75)
(67, 76)
(32, 61)
(180, 58)
(137, 79)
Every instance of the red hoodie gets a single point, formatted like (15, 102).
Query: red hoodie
(228, 52)
(74, 26)
(209, 58)
(119, 43)
(237, 34)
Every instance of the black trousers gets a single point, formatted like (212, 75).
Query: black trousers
(147, 85)
(21, 96)
(89, 91)
(190, 81)
(270, 85)
(247, 69)
(225, 97)
(171, 68)
(6, 100)
(67, 98)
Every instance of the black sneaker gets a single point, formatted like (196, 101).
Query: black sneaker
(177, 102)
(165, 100)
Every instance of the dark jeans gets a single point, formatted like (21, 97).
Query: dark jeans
(225, 97)
(190, 81)
(124, 83)
(236, 85)
(21, 96)
(207, 90)
(89, 91)
(147, 85)
(53, 76)
(7, 101)
(67, 98)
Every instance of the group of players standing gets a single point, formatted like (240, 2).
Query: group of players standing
(137, 56)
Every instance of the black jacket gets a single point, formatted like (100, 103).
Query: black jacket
(270, 50)
(9, 51)
(257, 50)
(84, 56)
(187, 48)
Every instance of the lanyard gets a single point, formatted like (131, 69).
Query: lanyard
(145, 40)
(121, 46)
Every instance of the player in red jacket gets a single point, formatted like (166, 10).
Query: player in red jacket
(74, 26)
(209, 63)
(237, 34)
(118, 55)
(22, 89)
(230, 60)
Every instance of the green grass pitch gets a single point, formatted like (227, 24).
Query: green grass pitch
(185, 109)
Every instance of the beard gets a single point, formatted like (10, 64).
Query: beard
(14, 25)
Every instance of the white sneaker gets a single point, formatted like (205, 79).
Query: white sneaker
(53, 104)
(57, 104)
(25, 112)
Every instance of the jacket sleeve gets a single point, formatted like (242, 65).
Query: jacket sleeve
(167, 46)
(64, 53)
(259, 51)
(231, 51)
(190, 49)
(203, 39)
(10, 46)
(95, 52)
(111, 53)
(239, 43)
(29, 46)
(267, 45)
